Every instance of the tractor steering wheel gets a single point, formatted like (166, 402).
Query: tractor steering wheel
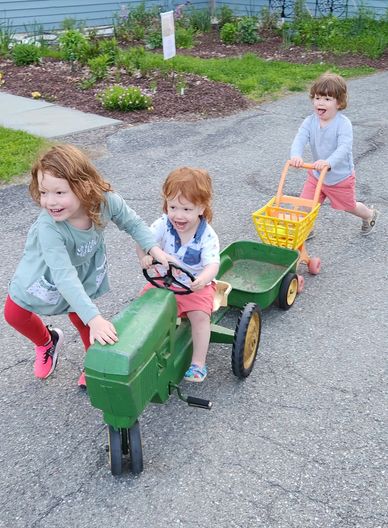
(168, 280)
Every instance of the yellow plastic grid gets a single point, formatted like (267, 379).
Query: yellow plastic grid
(283, 227)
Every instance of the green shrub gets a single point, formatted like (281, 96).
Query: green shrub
(228, 33)
(154, 39)
(138, 32)
(268, 20)
(136, 55)
(73, 44)
(99, 66)
(133, 23)
(224, 15)
(72, 23)
(124, 60)
(200, 20)
(184, 38)
(247, 30)
(360, 34)
(23, 54)
(110, 48)
(124, 99)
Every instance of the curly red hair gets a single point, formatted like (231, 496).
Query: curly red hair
(193, 184)
(69, 163)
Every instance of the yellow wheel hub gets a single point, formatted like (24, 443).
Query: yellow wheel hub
(251, 339)
(292, 291)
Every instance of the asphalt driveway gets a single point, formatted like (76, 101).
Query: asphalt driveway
(302, 442)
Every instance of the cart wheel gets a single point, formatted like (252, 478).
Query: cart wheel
(246, 340)
(314, 265)
(288, 291)
(300, 283)
(135, 448)
(115, 450)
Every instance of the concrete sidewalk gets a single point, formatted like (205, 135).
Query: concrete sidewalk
(46, 119)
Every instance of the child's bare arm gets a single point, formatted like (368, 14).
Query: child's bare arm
(207, 275)
(144, 259)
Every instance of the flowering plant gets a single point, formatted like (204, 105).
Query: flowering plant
(125, 99)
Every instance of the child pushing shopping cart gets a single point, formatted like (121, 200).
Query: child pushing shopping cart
(286, 221)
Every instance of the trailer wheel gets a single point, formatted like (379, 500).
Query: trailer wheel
(115, 450)
(246, 340)
(288, 291)
(135, 448)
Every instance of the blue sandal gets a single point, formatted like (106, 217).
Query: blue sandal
(195, 373)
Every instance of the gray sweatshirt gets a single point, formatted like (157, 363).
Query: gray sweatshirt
(332, 143)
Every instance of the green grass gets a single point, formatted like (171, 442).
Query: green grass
(18, 151)
(254, 77)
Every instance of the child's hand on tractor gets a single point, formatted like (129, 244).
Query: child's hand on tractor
(321, 164)
(102, 330)
(160, 256)
(198, 284)
(146, 261)
(296, 161)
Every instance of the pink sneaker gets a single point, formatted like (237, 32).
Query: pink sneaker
(47, 356)
(82, 381)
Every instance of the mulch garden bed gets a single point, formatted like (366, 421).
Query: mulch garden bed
(59, 82)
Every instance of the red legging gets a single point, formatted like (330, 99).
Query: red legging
(31, 325)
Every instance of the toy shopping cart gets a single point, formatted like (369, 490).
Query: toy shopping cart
(286, 221)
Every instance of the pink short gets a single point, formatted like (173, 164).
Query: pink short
(198, 301)
(342, 195)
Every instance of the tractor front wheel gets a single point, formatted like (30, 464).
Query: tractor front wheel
(135, 448)
(115, 450)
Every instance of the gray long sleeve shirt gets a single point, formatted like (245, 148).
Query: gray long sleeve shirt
(63, 268)
(332, 143)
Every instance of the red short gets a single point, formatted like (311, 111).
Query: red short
(342, 195)
(198, 301)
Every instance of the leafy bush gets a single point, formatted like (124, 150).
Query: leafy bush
(360, 34)
(229, 33)
(138, 32)
(73, 44)
(124, 61)
(137, 56)
(200, 20)
(110, 48)
(184, 38)
(133, 23)
(23, 54)
(72, 23)
(247, 30)
(124, 99)
(268, 20)
(225, 16)
(154, 39)
(99, 66)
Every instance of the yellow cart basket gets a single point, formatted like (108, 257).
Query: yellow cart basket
(286, 221)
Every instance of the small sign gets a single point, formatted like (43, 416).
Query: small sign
(168, 34)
